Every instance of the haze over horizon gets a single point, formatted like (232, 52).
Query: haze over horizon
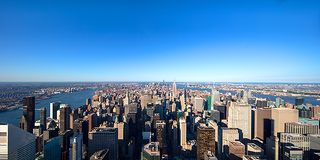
(207, 41)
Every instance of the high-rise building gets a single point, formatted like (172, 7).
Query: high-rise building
(227, 135)
(126, 100)
(183, 132)
(280, 116)
(261, 103)
(198, 104)
(205, 141)
(104, 138)
(215, 115)
(93, 121)
(279, 102)
(161, 135)
(76, 147)
(151, 151)
(297, 140)
(239, 116)
(65, 110)
(54, 107)
(174, 89)
(295, 127)
(236, 150)
(28, 117)
(260, 115)
(299, 101)
(52, 149)
(215, 97)
(43, 118)
(16, 143)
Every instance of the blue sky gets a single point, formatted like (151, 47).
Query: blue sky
(216, 40)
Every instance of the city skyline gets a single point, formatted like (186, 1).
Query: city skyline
(210, 41)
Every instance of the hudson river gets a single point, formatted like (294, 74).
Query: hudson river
(75, 99)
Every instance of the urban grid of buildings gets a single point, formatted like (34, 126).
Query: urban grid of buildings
(159, 121)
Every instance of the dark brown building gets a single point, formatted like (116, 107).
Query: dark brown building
(205, 141)
(27, 120)
(43, 118)
(65, 118)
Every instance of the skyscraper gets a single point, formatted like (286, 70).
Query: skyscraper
(161, 135)
(28, 119)
(65, 110)
(205, 141)
(183, 132)
(76, 147)
(174, 89)
(104, 138)
(215, 97)
(43, 118)
(299, 101)
(54, 107)
(260, 115)
(240, 117)
(198, 104)
(16, 143)
(227, 135)
(280, 116)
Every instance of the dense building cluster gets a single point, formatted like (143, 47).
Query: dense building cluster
(152, 121)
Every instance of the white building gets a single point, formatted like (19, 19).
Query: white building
(240, 117)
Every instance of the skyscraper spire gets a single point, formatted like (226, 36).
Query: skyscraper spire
(174, 89)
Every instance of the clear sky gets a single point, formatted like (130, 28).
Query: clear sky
(151, 40)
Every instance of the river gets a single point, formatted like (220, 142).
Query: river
(74, 99)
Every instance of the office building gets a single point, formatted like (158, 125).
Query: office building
(161, 135)
(215, 97)
(297, 140)
(261, 103)
(215, 115)
(64, 122)
(76, 142)
(239, 116)
(296, 127)
(198, 104)
(279, 102)
(227, 135)
(260, 115)
(52, 148)
(16, 143)
(205, 141)
(28, 118)
(299, 101)
(103, 138)
(43, 118)
(54, 107)
(183, 132)
(280, 116)
(236, 150)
